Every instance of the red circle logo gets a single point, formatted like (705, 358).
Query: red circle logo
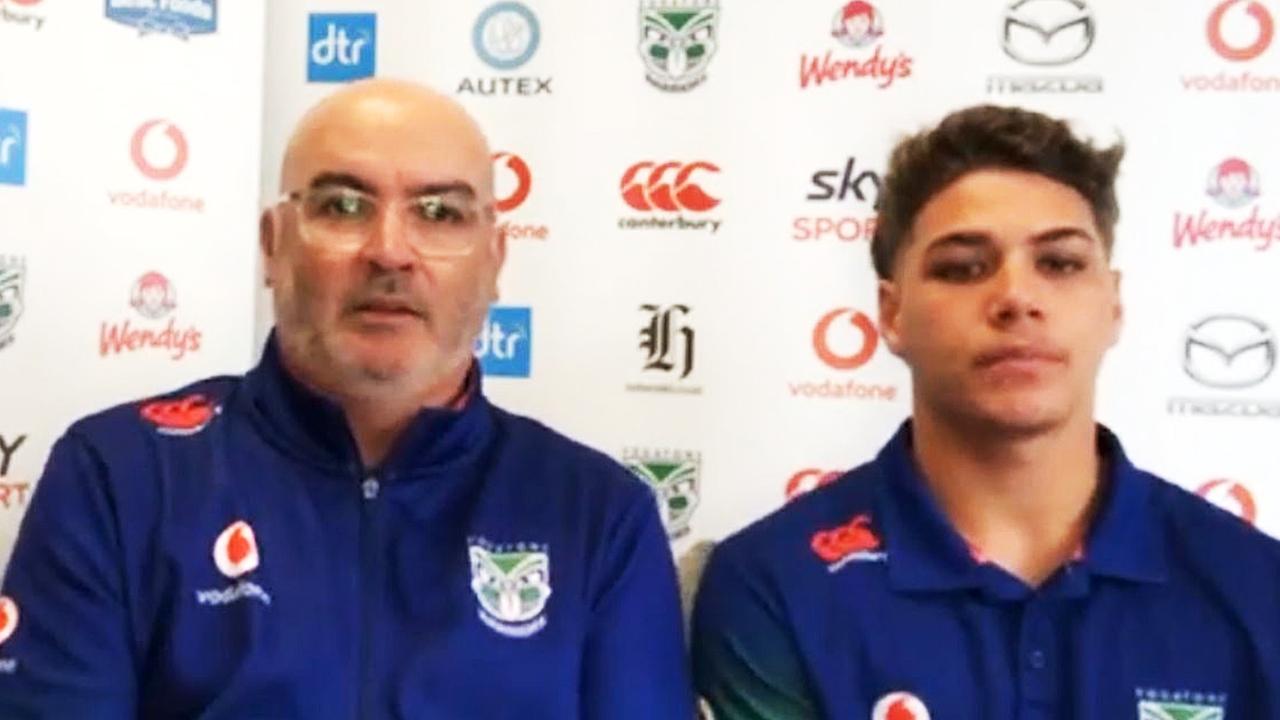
(139, 146)
(867, 332)
(1241, 53)
(524, 181)
(235, 552)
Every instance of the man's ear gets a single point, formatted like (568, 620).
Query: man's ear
(268, 237)
(889, 295)
(1117, 310)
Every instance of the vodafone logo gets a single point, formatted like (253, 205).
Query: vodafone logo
(150, 153)
(669, 186)
(506, 166)
(899, 706)
(1230, 496)
(8, 618)
(809, 479)
(1264, 34)
(838, 347)
(235, 552)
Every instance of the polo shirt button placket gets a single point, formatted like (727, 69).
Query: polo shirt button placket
(1036, 666)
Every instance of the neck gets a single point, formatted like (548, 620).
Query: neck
(1024, 501)
(378, 413)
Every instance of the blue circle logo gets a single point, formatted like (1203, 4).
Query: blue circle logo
(506, 35)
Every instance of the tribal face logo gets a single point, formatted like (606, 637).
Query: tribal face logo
(673, 478)
(512, 584)
(12, 269)
(677, 41)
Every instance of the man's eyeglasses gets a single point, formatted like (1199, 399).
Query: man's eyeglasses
(435, 225)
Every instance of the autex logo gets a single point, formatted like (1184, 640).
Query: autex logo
(504, 346)
(13, 147)
(342, 46)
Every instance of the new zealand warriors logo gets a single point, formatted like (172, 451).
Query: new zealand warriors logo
(677, 41)
(512, 584)
(673, 478)
(11, 272)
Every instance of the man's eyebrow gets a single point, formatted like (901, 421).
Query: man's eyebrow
(962, 238)
(338, 179)
(1066, 232)
(444, 188)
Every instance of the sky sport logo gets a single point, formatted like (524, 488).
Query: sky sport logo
(341, 46)
(1238, 32)
(844, 339)
(856, 26)
(662, 189)
(513, 181)
(1235, 187)
(841, 187)
(180, 18)
(505, 344)
(13, 147)
(1043, 35)
(153, 297)
(13, 492)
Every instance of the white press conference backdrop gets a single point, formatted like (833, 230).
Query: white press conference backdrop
(129, 148)
(689, 186)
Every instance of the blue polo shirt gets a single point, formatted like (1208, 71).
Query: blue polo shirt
(860, 600)
(221, 553)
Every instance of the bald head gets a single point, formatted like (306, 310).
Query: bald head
(389, 134)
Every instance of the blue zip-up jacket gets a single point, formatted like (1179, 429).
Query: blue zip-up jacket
(221, 553)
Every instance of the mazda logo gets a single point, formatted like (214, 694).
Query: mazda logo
(1048, 32)
(1229, 351)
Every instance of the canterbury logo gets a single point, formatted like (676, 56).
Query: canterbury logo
(667, 186)
(186, 416)
(1266, 32)
(854, 540)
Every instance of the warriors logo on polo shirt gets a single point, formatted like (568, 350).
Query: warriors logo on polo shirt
(235, 552)
(512, 582)
(8, 617)
(899, 706)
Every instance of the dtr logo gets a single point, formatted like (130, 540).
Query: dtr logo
(505, 342)
(342, 46)
(13, 147)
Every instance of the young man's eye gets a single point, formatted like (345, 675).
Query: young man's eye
(1062, 264)
(958, 270)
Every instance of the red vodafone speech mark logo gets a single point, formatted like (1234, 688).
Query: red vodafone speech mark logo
(1231, 496)
(235, 552)
(865, 327)
(8, 618)
(145, 166)
(645, 187)
(524, 180)
(1266, 31)
(899, 706)
(808, 480)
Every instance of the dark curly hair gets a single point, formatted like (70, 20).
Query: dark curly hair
(989, 137)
